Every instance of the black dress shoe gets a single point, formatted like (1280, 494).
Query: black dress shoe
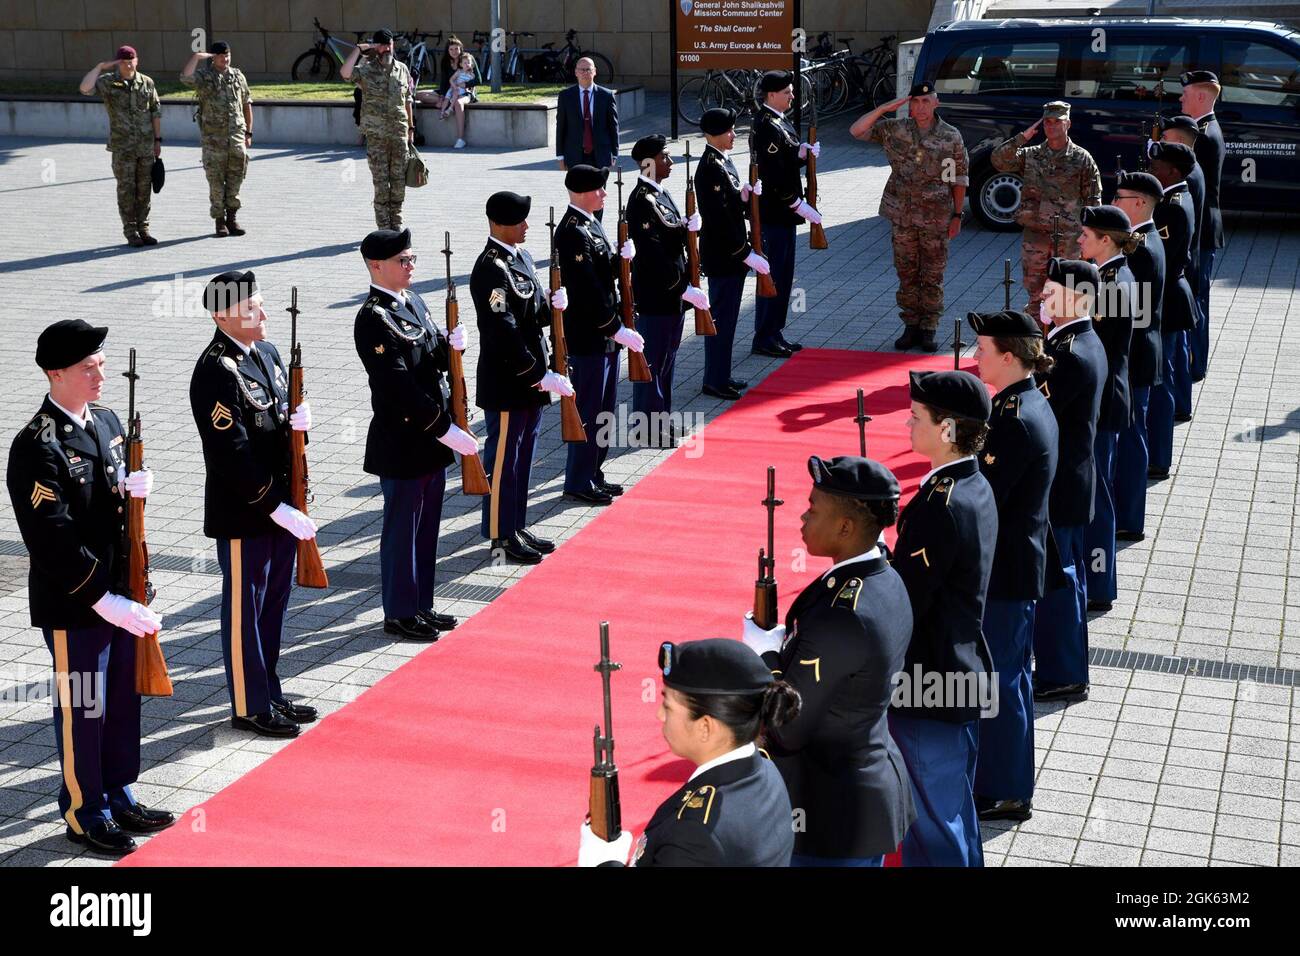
(1099, 605)
(140, 819)
(1005, 809)
(789, 346)
(609, 488)
(298, 713)
(727, 394)
(1157, 474)
(1065, 693)
(775, 350)
(592, 497)
(269, 724)
(1130, 536)
(515, 551)
(441, 622)
(738, 383)
(928, 344)
(910, 337)
(104, 837)
(1182, 419)
(540, 545)
(414, 628)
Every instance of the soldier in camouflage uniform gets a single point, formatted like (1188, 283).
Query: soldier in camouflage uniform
(387, 121)
(923, 201)
(134, 136)
(1060, 178)
(225, 130)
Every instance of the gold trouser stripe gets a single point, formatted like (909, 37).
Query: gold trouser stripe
(237, 625)
(65, 704)
(494, 509)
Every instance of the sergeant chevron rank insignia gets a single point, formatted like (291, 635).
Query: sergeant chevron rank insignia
(497, 300)
(41, 494)
(221, 417)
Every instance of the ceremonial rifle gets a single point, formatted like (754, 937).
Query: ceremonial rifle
(766, 288)
(638, 370)
(571, 429)
(816, 234)
(1056, 232)
(1006, 283)
(151, 678)
(311, 570)
(862, 419)
(765, 586)
(1153, 132)
(473, 480)
(603, 806)
(703, 317)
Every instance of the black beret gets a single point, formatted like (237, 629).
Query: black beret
(648, 146)
(853, 477)
(219, 47)
(1143, 183)
(774, 81)
(508, 209)
(1008, 323)
(924, 88)
(382, 36)
(717, 121)
(585, 179)
(157, 175)
(1180, 121)
(1074, 273)
(227, 290)
(385, 243)
(714, 666)
(1181, 157)
(67, 342)
(1197, 76)
(959, 394)
(1108, 218)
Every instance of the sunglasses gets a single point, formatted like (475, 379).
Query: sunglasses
(407, 260)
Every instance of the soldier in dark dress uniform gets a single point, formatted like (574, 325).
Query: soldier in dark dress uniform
(844, 639)
(1137, 194)
(661, 284)
(1181, 128)
(725, 253)
(1175, 220)
(68, 488)
(1074, 389)
(1200, 91)
(513, 383)
(780, 156)
(947, 535)
(239, 395)
(719, 699)
(1105, 236)
(411, 437)
(1019, 463)
(593, 330)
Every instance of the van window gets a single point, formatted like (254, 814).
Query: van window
(1130, 69)
(1002, 68)
(1259, 74)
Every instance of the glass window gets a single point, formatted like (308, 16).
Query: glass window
(1259, 74)
(1008, 69)
(1130, 70)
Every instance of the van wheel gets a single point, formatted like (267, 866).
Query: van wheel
(997, 199)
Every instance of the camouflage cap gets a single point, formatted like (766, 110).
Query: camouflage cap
(1057, 109)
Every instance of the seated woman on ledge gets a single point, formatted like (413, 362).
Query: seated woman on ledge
(458, 88)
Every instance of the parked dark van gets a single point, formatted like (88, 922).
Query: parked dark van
(993, 76)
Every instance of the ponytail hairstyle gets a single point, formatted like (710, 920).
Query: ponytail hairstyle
(747, 716)
(1028, 350)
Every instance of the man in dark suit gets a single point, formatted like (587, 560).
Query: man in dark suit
(586, 123)
(1200, 92)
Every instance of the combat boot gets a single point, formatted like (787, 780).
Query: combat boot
(134, 240)
(146, 239)
(928, 344)
(232, 225)
(909, 338)
(222, 230)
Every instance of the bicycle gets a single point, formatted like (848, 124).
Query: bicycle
(322, 61)
(736, 90)
(419, 57)
(559, 66)
(513, 62)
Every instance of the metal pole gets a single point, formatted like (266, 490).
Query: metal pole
(207, 21)
(672, 64)
(798, 74)
(495, 6)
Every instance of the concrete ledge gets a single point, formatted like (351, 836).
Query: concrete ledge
(279, 122)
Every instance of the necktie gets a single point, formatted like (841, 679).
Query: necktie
(588, 135)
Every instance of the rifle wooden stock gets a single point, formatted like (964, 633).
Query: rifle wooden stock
(765, 585)
(311, 569)
(473, 479)
(603, 799)
(638, 369)
(816, 234)
(703, 317)
(571, 429)
(766, 287)
(603, 807)
(151, 677)
(765, 604)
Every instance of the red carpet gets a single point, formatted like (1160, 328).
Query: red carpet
(477, 751)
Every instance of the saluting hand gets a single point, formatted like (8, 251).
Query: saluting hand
(1029, 133)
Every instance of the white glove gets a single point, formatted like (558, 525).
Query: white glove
(558, 384)
(458, 338)
(300, 420)
(695, 297)
(694, 222)
(630, 338)
(757, 263)
(593, 851)
(628, 249)
(127, 614)
(761, 641)
(294, 521)
(808, 212)
(757, 188)
(459, 440)
(805, 149)
(138, 484)
(560, 299)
